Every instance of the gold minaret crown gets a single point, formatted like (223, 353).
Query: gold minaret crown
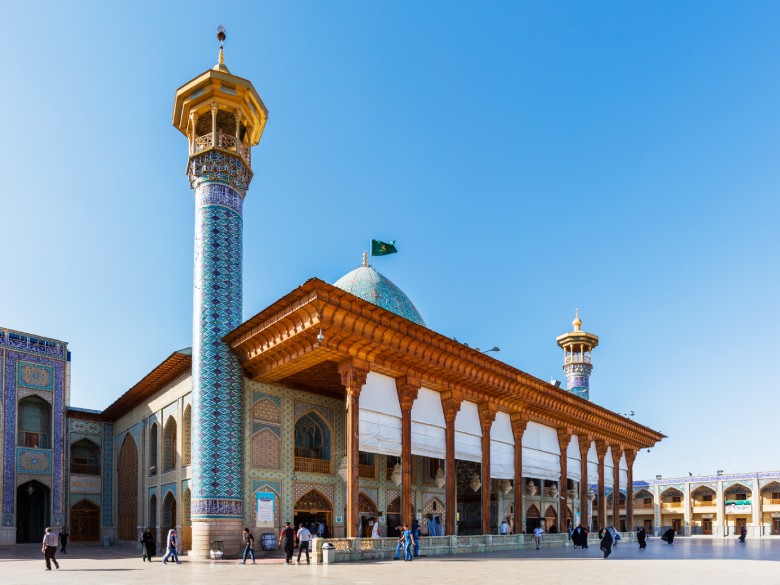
(577, 321)
(365, 259)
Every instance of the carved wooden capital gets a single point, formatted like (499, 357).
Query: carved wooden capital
(585, 441)
(630, 457)
(487, 414)
(519, 422)
(353, 377)
(407, 387)
(564, 438)
(617, 454)
(601, 450)
(450, 403)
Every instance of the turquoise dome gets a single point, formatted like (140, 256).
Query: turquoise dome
(369, 285)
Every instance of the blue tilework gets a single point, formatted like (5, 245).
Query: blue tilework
(367, 284)
(108, 474)
(217, 458)
(38, 349)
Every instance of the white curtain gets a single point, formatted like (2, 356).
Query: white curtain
(541, 453)
(574, 459)
(623, 472)
(468, 433)
(593, 465)
(380, 416)
(502, 448)
(428, 425)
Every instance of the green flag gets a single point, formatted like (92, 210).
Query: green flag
(382, 249)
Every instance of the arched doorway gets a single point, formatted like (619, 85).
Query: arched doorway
(551, 519)
(85, 521)
(313, 507)
(127, 496)
(367, 514)
(393, 516)
(33, 503)
(168, 514)
(532, 519)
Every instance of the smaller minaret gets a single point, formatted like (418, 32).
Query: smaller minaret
(577, 350)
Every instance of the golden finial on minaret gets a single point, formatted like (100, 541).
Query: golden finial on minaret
(577, 321)
(365, 259)
(221, 38)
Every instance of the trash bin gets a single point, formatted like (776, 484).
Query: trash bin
(268, 541)
(328, 553)
(217, 549)
(106, 540)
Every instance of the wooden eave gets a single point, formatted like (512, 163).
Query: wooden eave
(77, 413)
(281, 341)
(171, 369)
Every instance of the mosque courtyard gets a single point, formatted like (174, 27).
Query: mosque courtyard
(686, 561)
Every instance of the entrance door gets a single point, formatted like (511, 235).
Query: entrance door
(32, 517)
(313, 507)
(706, 526)
(648, 526)
(677, 525)
(776, 526)
(85, 521)
(741, 523)
(168, 514)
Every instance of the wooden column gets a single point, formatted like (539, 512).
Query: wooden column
(519, 423)
(617, 455)
(585, 441)
(487, 414)
(601, 452)
(407, 388)
(630, 458)
(353, 378)
(450, 402)
(564, 438)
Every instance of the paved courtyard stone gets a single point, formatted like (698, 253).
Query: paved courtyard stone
(710, 562)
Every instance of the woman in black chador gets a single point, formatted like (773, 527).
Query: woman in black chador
(147, 544)
(641, 538)
(668, 536)
(606, 542)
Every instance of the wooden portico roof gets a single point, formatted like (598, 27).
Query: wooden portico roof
(279, 345)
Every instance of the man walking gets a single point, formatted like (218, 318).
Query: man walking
(49, 550)
(249, 546)
(287, 539)
(172, 545)
(538, 536)
(304, 538)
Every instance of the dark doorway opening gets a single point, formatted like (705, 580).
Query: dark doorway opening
(32, 511)
(85, 521)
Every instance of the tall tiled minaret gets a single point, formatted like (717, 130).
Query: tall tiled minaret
(222, 117)
(578, 348)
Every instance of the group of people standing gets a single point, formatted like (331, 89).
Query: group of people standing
(409, 540)
(288, 538)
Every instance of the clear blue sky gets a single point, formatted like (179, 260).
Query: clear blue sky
(529, 158)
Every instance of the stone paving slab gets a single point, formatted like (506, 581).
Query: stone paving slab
(695, 561)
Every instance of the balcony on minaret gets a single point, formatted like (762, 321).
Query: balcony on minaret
(220, 111)
(577, 349)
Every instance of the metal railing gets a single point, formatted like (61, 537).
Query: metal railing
(225, 142)
(85, 468)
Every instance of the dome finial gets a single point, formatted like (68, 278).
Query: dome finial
(221, 38)
(365, 259)
(577, 321)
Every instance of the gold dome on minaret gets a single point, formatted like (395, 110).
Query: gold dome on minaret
(577, 323)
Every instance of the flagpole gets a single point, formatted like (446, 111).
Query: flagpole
(370, 250)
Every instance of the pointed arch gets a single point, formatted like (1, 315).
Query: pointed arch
(551, 512)
(266, 449)
(168, 520)
(394, 507)
(672, 492)
(127, 491)
(366, 504)
(153, 511)
(169, 445)
(313, 500)
(532, 512)
(643, 493)
(186, 432)
(84, 521)
(34, 423)
(434, 507)
(312, 443)
(85, 457)
(266, 410)
(153, 439)
(738, 488)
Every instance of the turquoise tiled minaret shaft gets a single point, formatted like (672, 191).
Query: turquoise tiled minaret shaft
(217, 383)
(222, 117)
